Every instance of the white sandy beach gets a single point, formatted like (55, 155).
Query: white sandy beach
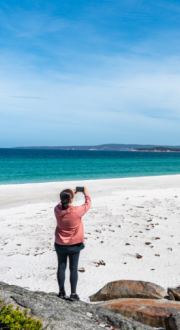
(133, 210)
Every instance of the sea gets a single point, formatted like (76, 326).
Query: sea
(18, 166)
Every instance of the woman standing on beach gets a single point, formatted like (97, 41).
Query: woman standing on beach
(69, 238)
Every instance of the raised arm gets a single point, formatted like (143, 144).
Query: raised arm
(81, 210)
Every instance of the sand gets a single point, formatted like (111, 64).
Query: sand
(125, 215)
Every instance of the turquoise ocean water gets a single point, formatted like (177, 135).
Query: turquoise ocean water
(35, 165)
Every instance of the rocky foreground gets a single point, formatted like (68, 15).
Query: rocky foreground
(57, 314)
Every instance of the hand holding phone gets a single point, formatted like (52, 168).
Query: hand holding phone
(80, 189)
(74, 191)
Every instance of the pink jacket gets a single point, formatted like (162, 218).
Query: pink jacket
(69, 228)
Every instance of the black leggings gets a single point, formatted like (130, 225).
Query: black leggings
(73, 266)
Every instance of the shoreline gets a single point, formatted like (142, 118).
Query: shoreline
(21, 194)
(80, 180)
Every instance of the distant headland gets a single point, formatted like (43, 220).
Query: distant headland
(112, 147)
(159, 149)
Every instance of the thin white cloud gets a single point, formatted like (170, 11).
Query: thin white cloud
(31, 24)
(120, 85)
(26, 97)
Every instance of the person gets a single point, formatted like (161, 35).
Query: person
(69, 238)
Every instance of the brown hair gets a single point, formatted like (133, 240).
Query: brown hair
(65, 197)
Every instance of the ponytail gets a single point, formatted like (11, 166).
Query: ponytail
(65, 197)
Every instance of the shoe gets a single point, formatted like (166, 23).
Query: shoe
(74, 297)
(62, 294)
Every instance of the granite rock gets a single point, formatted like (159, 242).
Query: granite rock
(175, 292)
(58, 314)
(150, 312)
(129, 289)
(173, 323)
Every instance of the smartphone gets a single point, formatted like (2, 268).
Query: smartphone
(80, 189)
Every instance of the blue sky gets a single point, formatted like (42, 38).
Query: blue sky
(89, 72)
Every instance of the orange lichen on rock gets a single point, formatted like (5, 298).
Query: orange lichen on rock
(149, 312)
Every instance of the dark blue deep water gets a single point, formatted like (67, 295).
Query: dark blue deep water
(36, 165)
